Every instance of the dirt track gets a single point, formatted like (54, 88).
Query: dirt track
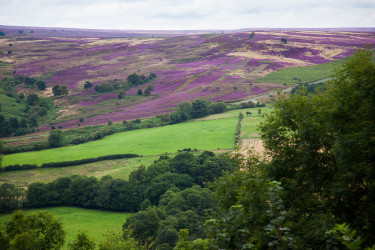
(255, 145)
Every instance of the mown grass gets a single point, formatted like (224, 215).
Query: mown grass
(118, 169)
(303, 74)
(75, 220)
(201, 135)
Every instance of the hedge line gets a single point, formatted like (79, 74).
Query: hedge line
(238, 130)
(68, 163)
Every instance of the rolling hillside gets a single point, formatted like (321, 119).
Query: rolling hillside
(211, 66)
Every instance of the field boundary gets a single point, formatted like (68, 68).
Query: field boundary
(17, 167)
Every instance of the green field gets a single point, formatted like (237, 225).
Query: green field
(306, 74)
(118, 169)
(75, 220)
(201, 135)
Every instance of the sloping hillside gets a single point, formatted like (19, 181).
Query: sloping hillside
(211, 66)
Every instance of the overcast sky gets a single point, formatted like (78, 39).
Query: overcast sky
(188, 14)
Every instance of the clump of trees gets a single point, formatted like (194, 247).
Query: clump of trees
(32, 106)
(60, 91)
(197, 109)
(136, 79)
(283, 40)
(107, 86)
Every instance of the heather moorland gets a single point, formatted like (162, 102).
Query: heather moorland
(215, 66)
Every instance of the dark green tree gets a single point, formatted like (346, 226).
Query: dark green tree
(144, 224)
(323, 152)
(87, 85)
(34, 231)
(217, 107)
(139, 92)
(11, 198)
(200, 108)
(56, 138)
(82, 242)
(283, 41)
(32, 99)
(41, 85)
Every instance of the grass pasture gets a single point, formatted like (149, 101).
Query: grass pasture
(305, 74)
(75, 220)
(118, 169)
(201, 135)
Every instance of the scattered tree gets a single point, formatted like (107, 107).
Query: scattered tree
(200, 108)
(87, 85)
(41, 85)
(251, 35)
(32, 99)
(139, 92)
(283, 41)
(56, 138)
(58, 90)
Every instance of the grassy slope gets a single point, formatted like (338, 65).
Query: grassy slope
(306, 74)
(119, 169)
(75, 220)
(202, 135)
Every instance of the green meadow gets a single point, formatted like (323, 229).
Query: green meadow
(118, 169)
(201, 135)
(305, 74)
(75, 220)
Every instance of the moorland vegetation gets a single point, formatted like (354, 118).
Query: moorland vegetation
(315, 188)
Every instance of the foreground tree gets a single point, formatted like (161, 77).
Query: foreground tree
(323, 152)
(34, 231)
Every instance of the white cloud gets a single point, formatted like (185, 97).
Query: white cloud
(188, 14)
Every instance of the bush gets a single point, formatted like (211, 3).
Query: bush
(56, 138)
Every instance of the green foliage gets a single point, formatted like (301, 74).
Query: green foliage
(87, 85)
(308, 88)
(56, 138)
(283, 41)
(34, 231)
(217, 107)
(251, 35)
(104, 87)
(41, 85)
(139, 92)
(200, 108)
(82, 242)
(58, 90)
(118, 240)
(11, 198)
(145, 224)
(32, 99)
(2, 33)
(322, 150)
(252, 212)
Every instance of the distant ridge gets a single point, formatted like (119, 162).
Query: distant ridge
(115, 33)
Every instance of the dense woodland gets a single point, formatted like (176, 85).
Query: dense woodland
(315, 189)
